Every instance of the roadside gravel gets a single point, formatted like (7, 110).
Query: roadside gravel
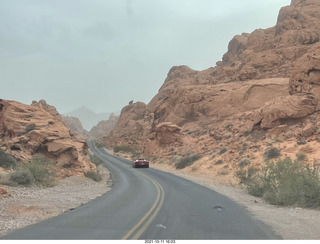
(29, 205)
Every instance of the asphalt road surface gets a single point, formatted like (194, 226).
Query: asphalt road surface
(149, 204)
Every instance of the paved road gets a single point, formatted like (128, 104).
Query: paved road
(150, 204)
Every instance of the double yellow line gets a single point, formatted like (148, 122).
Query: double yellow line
(137, 230)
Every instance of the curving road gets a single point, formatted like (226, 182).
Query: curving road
(150, 204)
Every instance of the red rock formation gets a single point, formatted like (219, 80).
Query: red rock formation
(76, 127)
(131, 129)
(26, 130)
(103, 128)
(266, 86)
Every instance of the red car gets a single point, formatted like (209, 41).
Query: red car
(140, 163)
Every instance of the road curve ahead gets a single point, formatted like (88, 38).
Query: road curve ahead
(150, 204)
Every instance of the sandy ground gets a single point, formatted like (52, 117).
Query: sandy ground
(292, 223)
(29, 205)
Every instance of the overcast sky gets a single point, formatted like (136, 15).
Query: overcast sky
(104, 53)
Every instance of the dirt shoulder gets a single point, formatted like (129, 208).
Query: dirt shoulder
(29, 205)
(292, 223)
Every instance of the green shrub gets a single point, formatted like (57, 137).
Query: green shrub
(300, 157)
(42, 170)
(93, 175)
(244, 162)
(255, 189)
(21, 177)
(301, 143)
(6, 160)
(96, 160)
(245, 175)
(219, 162)
(271, 153)
(222, 151)
(99, 144)
(127, 150)
(187, 161)
(287, 183)
(124, 149)
(30, 127)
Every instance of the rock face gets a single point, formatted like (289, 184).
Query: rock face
(131, 127)
(274, 51)
(76, 127)
(103, 128)
(38, 128)
(266, 86)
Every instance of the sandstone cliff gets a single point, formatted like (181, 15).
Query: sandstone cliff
(264, 92)
(103, 128)
(75, 126)
(29, 129)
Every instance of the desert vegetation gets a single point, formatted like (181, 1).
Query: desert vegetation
(284, 182)
(6, 160)
(94, 159)
(93, 175)
(134, 154)
(187, 161)
(39, 171)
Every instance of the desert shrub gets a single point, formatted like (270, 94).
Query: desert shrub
(287, 183)
(222, 151)
(93, 175)
(187, 161)
(30, 127)
(271, 153)
(255, 187)
(94, 159)
(219, 162)
(300, 157)
(301, 143)
(6, 160)
(244, 162)
(42, 170)
(228, 135)
(99, 144)
(127, 150)
(228, 126)
(21, 177)
(135, 154)
(124, 149)
(245, 175)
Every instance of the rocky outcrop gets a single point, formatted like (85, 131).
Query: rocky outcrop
(305, 78)
(50, 109)
(29, 129)
(4, 192)
(265, 90)
(76, 127)
(132, 127)
(271, 52)
(103, 128)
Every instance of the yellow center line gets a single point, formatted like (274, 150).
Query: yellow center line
(157, 204)
(146, 225)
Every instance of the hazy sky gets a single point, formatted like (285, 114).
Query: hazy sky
(104, 53)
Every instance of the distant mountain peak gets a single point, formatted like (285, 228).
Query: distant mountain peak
(88, 117)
